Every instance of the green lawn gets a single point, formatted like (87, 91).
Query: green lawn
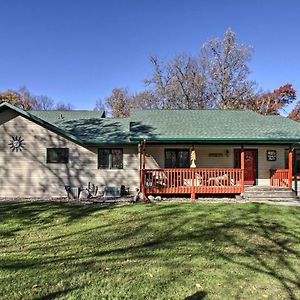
(149, 251)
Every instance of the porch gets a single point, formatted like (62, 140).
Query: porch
(212, 180)
(193, 181)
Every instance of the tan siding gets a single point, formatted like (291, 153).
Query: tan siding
(26, 173)
(156, 156)
(206, 161)
(265, 165)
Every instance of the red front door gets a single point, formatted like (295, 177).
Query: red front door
(250, 167)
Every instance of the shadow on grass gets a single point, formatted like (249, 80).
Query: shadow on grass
(255, 237)
(197, 296)
(56, 294)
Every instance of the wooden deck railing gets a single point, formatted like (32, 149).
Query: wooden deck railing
(279, 177)
(193, 181)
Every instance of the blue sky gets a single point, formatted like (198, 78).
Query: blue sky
(78, 50)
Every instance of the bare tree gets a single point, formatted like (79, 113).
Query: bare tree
(145, 100)
(187, 88)
(159, 82)
(178, 83)
(225, 64)
(42, 102)
(100, 105)
(63, 106)
(218, 78)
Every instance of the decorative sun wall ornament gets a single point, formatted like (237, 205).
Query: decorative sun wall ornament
(16, 143)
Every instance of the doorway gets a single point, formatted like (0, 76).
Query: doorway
(250, 172)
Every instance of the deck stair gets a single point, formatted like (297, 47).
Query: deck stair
(270, 193)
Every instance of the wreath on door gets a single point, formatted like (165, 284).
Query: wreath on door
(248, 157)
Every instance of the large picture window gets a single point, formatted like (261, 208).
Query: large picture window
(177, 158)
(110, 158)
(58, 155)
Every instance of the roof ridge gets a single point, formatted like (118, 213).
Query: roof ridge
(193, 109)
(61, 111)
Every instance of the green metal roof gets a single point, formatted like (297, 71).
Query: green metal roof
(54, 116)
(90, 127)
(214, 125)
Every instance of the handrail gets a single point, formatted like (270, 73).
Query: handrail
(279, 177)
(193, 180)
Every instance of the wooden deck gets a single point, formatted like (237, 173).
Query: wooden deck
(193, 181)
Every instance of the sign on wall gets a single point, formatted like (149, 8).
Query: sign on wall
(271, 155)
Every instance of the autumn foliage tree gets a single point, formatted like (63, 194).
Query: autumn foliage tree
(14, 98)
(24, 99)
(271, 103)
(118, 103)
(295, 113)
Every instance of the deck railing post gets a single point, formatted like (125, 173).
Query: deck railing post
(243, 168)
(290, 174)
(193, 194)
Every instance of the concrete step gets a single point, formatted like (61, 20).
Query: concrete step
(265, 188)
(292, 199)
(258, 194)
(270, 193)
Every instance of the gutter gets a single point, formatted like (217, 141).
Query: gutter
(294, 140)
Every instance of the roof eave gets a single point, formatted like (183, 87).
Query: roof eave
(275, 140)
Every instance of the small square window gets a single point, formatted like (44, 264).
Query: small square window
(58, 155)
(110, 158)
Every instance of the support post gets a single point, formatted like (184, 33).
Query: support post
(193, 194)
(243, 168)
(290, 162)
(143, 165)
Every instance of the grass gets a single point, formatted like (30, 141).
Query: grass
(149, 251)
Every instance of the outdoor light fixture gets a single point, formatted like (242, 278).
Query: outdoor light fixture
(227, 152)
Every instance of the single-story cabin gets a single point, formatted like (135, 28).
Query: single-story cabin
(172, 152)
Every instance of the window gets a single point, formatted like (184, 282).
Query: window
(58, 155)
(110, 158)
(177, 158)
